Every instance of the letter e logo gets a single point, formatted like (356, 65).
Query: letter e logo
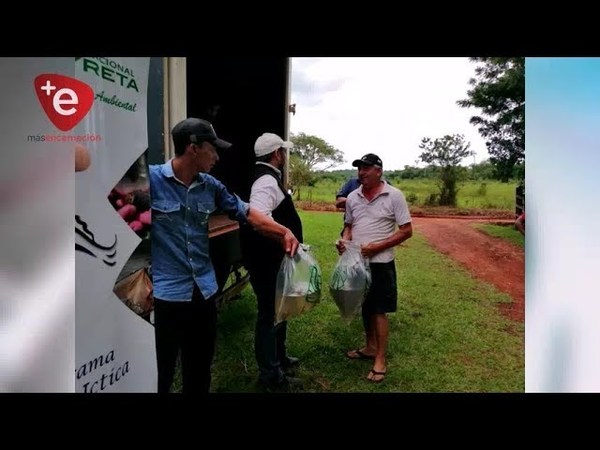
(65, 100)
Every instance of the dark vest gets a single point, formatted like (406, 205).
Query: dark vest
(259, 250)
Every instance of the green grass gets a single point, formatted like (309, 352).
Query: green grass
(505, 232)
(488, 194)
(447, 335)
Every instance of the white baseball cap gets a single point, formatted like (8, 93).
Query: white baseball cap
(268, 143)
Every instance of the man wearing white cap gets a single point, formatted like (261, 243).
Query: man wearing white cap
(263, 259)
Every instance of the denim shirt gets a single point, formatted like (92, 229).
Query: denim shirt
(179, 233)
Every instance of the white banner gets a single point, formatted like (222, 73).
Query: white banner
(114, 346)
(37, 263)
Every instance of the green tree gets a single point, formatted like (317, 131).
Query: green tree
(499, 91)
(300, 174)
(482, 171)
(446, 153)
(519, 173)
(310, 151)
(409, 172)
(314, 151)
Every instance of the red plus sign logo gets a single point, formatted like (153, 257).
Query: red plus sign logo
(65, 100)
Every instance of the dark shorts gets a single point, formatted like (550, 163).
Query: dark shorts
(383, 294)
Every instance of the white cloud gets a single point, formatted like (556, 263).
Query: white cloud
(383, 105)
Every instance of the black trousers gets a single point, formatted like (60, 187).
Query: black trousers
(269, 340)
(192, 328)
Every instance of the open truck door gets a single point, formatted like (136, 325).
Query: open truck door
(243, 98)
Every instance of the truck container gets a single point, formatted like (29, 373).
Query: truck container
(242, 97)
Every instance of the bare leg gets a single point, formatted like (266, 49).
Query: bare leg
(380, 326)
(371, 340)
(371, 336)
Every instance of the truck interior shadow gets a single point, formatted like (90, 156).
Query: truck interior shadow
(243, 98)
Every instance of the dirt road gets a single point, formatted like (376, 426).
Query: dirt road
(487, 258)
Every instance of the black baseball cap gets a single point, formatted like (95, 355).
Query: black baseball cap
(198, 130)
(370, 159)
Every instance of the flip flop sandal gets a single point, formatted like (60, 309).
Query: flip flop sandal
(357, 354)
(374, 372)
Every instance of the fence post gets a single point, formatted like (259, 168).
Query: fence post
(519, 200)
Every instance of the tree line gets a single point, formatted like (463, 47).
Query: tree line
(497, 90)
(484, 170)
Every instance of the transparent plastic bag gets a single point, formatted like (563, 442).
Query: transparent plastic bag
(350, 281)
(298, 285)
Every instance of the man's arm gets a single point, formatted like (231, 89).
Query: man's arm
(243, 212)
(402, 233)
(340, 202)
(347, 232)
(267, 226)
(265, 195)
(342, 195)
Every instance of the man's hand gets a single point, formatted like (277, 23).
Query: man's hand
(290, 243)
(340, 244)
(369, 250)
(340, 202)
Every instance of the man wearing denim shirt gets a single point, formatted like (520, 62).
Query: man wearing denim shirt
(183, 197)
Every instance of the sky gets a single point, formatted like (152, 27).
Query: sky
(383, 105)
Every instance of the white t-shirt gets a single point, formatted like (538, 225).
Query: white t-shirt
(377, 219)
(266, 195)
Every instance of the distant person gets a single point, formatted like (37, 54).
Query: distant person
(520, 223)
(344, 192)
(183, 196)
(377, 218)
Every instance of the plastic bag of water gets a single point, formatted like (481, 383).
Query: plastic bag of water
(350, 281)
(298, 284)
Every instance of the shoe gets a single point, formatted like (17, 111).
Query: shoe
(289, 362)
(287, 385)
(294, 384)
(288, 365)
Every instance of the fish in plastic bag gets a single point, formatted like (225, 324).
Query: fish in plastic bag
(298, 285)
(350, 281)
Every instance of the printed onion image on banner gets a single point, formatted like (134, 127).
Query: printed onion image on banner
(114, 344)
